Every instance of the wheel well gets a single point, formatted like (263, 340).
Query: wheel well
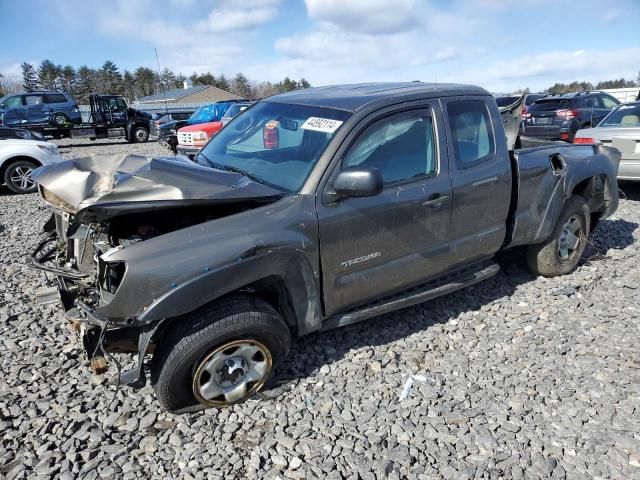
(592, 189)
(273, 290)
(12, 160)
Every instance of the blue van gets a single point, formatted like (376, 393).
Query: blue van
(57, 108)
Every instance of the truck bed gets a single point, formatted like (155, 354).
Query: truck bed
(545, 176)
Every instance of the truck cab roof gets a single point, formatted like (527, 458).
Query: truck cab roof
(353, 97)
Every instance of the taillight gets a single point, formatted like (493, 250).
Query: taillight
(270, 135)
(566, 114)
(583, 140)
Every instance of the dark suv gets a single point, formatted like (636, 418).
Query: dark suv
(58, 108)
(561, 116)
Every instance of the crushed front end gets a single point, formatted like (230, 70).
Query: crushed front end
(73, 257)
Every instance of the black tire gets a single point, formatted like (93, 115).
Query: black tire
(14, 174)
(546, 258)
(59, 119)
(184, 346)
(139, 135)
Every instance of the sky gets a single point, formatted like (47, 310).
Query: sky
(501, 45)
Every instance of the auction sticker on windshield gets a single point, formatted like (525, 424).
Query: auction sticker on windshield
(318, 124)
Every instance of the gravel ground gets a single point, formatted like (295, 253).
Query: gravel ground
(518, 377)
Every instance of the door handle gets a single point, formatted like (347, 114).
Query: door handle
(436, 202)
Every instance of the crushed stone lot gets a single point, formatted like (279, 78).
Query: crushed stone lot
(516, 377)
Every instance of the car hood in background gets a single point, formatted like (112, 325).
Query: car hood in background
(104, 186)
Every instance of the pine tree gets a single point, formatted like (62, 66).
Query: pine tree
(85, 83)
(48, 75)
(240, 85)
(29, 79)
(303, 83)
(129, 86)
(222, 83)
(111, 79)
(146, 81)
(68, 79)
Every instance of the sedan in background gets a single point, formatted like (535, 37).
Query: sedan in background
(19, 158)
(619, 129)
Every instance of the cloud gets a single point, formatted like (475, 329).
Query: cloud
(543, 69)
(222, 20)
(369, 16)
(612, 15)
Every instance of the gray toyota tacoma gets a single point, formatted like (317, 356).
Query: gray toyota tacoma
(310, 210)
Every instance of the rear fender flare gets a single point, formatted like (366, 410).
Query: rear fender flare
(291, 267)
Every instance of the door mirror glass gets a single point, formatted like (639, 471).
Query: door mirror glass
(358, 182)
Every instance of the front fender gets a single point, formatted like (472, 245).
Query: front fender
(290, 266)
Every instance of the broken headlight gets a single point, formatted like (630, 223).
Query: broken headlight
(57, 201)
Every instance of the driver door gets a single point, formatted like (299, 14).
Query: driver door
(374, 246)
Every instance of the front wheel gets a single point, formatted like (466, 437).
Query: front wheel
(561, 253)
(219, 355)
(17, 176)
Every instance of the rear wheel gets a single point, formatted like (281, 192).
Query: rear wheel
(561, 253)
(140, 134)
(219, 355)
(60, 119)
(17, 176)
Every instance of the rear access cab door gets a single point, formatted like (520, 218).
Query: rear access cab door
(481, 177)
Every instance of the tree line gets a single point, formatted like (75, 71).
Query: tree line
(579, 86)
(143, 81)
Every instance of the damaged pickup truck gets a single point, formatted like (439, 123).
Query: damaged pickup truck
(311, 210)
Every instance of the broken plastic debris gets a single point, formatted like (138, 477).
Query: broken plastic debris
(408, 385)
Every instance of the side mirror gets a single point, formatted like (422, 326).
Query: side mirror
(358, 182)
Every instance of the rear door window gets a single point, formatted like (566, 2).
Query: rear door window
(609, 102)
(54, 98)
(33, 99)
(471, 132)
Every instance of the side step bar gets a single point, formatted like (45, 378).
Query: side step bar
(436, 288)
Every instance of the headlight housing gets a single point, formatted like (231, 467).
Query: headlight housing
(57, 201)
(200, 136)
(50, 149)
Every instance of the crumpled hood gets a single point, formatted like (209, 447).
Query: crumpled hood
(136, 182)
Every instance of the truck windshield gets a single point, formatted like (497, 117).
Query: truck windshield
(623, 116)
(274, 143)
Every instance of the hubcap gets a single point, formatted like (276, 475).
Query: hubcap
(21, 178)
(231, 373)
(570, 239)
(140, 134)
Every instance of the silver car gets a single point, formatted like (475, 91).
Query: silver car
(619, 129)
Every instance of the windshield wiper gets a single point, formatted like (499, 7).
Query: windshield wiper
(230, 168)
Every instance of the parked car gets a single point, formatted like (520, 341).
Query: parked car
(192, 137)
(233, 111)
(46, 107)
(163, 129)
(20, 157)
(311, 210)
(620, 129)
(8, 132)
(561, 116)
